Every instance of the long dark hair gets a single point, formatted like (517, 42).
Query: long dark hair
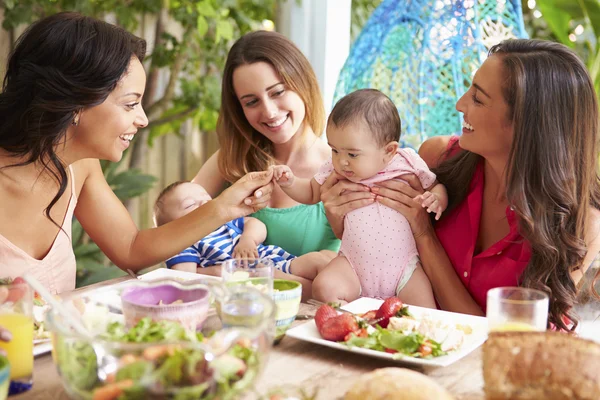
(243, 149)
(551, 180)
(61, 65)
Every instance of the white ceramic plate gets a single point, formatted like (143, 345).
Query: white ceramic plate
(42, 348)
(308, 332)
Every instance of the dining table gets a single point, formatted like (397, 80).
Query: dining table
(295, 365)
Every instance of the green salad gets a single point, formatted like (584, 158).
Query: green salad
(162, 371)
(398, 343)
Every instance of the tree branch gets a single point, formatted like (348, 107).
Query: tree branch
(158, 107)
(174, 117)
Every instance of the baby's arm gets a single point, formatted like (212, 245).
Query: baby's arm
(435, 199)
(185, 267)
(305, 191)
(255, 232)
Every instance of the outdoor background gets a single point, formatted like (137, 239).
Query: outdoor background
(187, 45)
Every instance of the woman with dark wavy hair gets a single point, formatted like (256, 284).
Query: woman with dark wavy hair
(71, 96)
(522, 182)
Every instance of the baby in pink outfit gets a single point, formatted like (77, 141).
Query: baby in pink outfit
(378, 256)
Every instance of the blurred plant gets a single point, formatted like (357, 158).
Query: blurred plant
(572, 23)
(361, 11)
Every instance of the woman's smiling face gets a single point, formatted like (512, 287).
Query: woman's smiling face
(271, 108)
(105, 131)
(487, 130)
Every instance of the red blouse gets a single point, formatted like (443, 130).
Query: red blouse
(501, 264)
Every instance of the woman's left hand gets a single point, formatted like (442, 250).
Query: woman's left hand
(399, 195)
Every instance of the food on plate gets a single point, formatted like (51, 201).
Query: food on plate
(391, 329)
(540, 365)
(388, 309)
(168, 369)
(397, 384)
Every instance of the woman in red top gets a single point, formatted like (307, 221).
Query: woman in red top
(522, 183)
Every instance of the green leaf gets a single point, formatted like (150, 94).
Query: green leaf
(131, 183)
(592, 11)
(558, 20)
(224, 30)
(201, 26)
(206, 9)
(87, 250)
(100, 275)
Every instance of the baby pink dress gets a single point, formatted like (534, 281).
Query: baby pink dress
(56, 271)
(377, 240)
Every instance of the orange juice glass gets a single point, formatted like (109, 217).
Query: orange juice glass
(516, 309)
(16, 315)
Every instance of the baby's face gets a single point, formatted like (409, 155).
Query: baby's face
(184, 199)
(355, 152)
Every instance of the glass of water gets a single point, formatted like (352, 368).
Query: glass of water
(245, 306)
(517, 309)
(254, 272)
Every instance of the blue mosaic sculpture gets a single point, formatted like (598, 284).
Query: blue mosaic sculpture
(423, 54)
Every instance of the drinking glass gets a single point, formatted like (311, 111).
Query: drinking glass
(16, 315)
(517, 309)
(246, 306)
(255, 272)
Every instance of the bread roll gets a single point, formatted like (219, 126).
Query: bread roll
(540, 365)
(396, 384)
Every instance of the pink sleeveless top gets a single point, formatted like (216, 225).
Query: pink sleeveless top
(56, 271)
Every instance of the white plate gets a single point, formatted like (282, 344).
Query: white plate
(309, 333)
(172, 273)
(42, 348)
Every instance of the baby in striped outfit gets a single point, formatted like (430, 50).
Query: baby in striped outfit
(240, 238)
(378, 256)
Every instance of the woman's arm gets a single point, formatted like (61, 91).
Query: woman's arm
(110, 226)
(339, 197)
(209, 176)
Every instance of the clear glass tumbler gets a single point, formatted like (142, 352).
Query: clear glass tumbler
(517, 309)
(16, 315)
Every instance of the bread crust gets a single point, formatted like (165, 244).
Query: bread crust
(540, 365)
(396, 384)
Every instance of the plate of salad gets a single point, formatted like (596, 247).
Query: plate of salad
(392, 330)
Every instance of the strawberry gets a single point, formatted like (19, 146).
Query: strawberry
(337, 328)
(369, 315)
(324, 313)
(361, 332)
(388, 309)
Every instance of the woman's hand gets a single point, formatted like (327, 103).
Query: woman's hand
(249, 194)
(340, 196)
(400, 196)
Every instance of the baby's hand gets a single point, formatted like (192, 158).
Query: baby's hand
(246, 248)
(283, 175)
(431, 202)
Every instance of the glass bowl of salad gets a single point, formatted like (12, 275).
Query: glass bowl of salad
(161, 359)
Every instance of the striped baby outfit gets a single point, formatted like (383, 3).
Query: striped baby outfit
(218, 247)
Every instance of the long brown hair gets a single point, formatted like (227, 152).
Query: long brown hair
(243, 149)
(552, 176)
(61, 65)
